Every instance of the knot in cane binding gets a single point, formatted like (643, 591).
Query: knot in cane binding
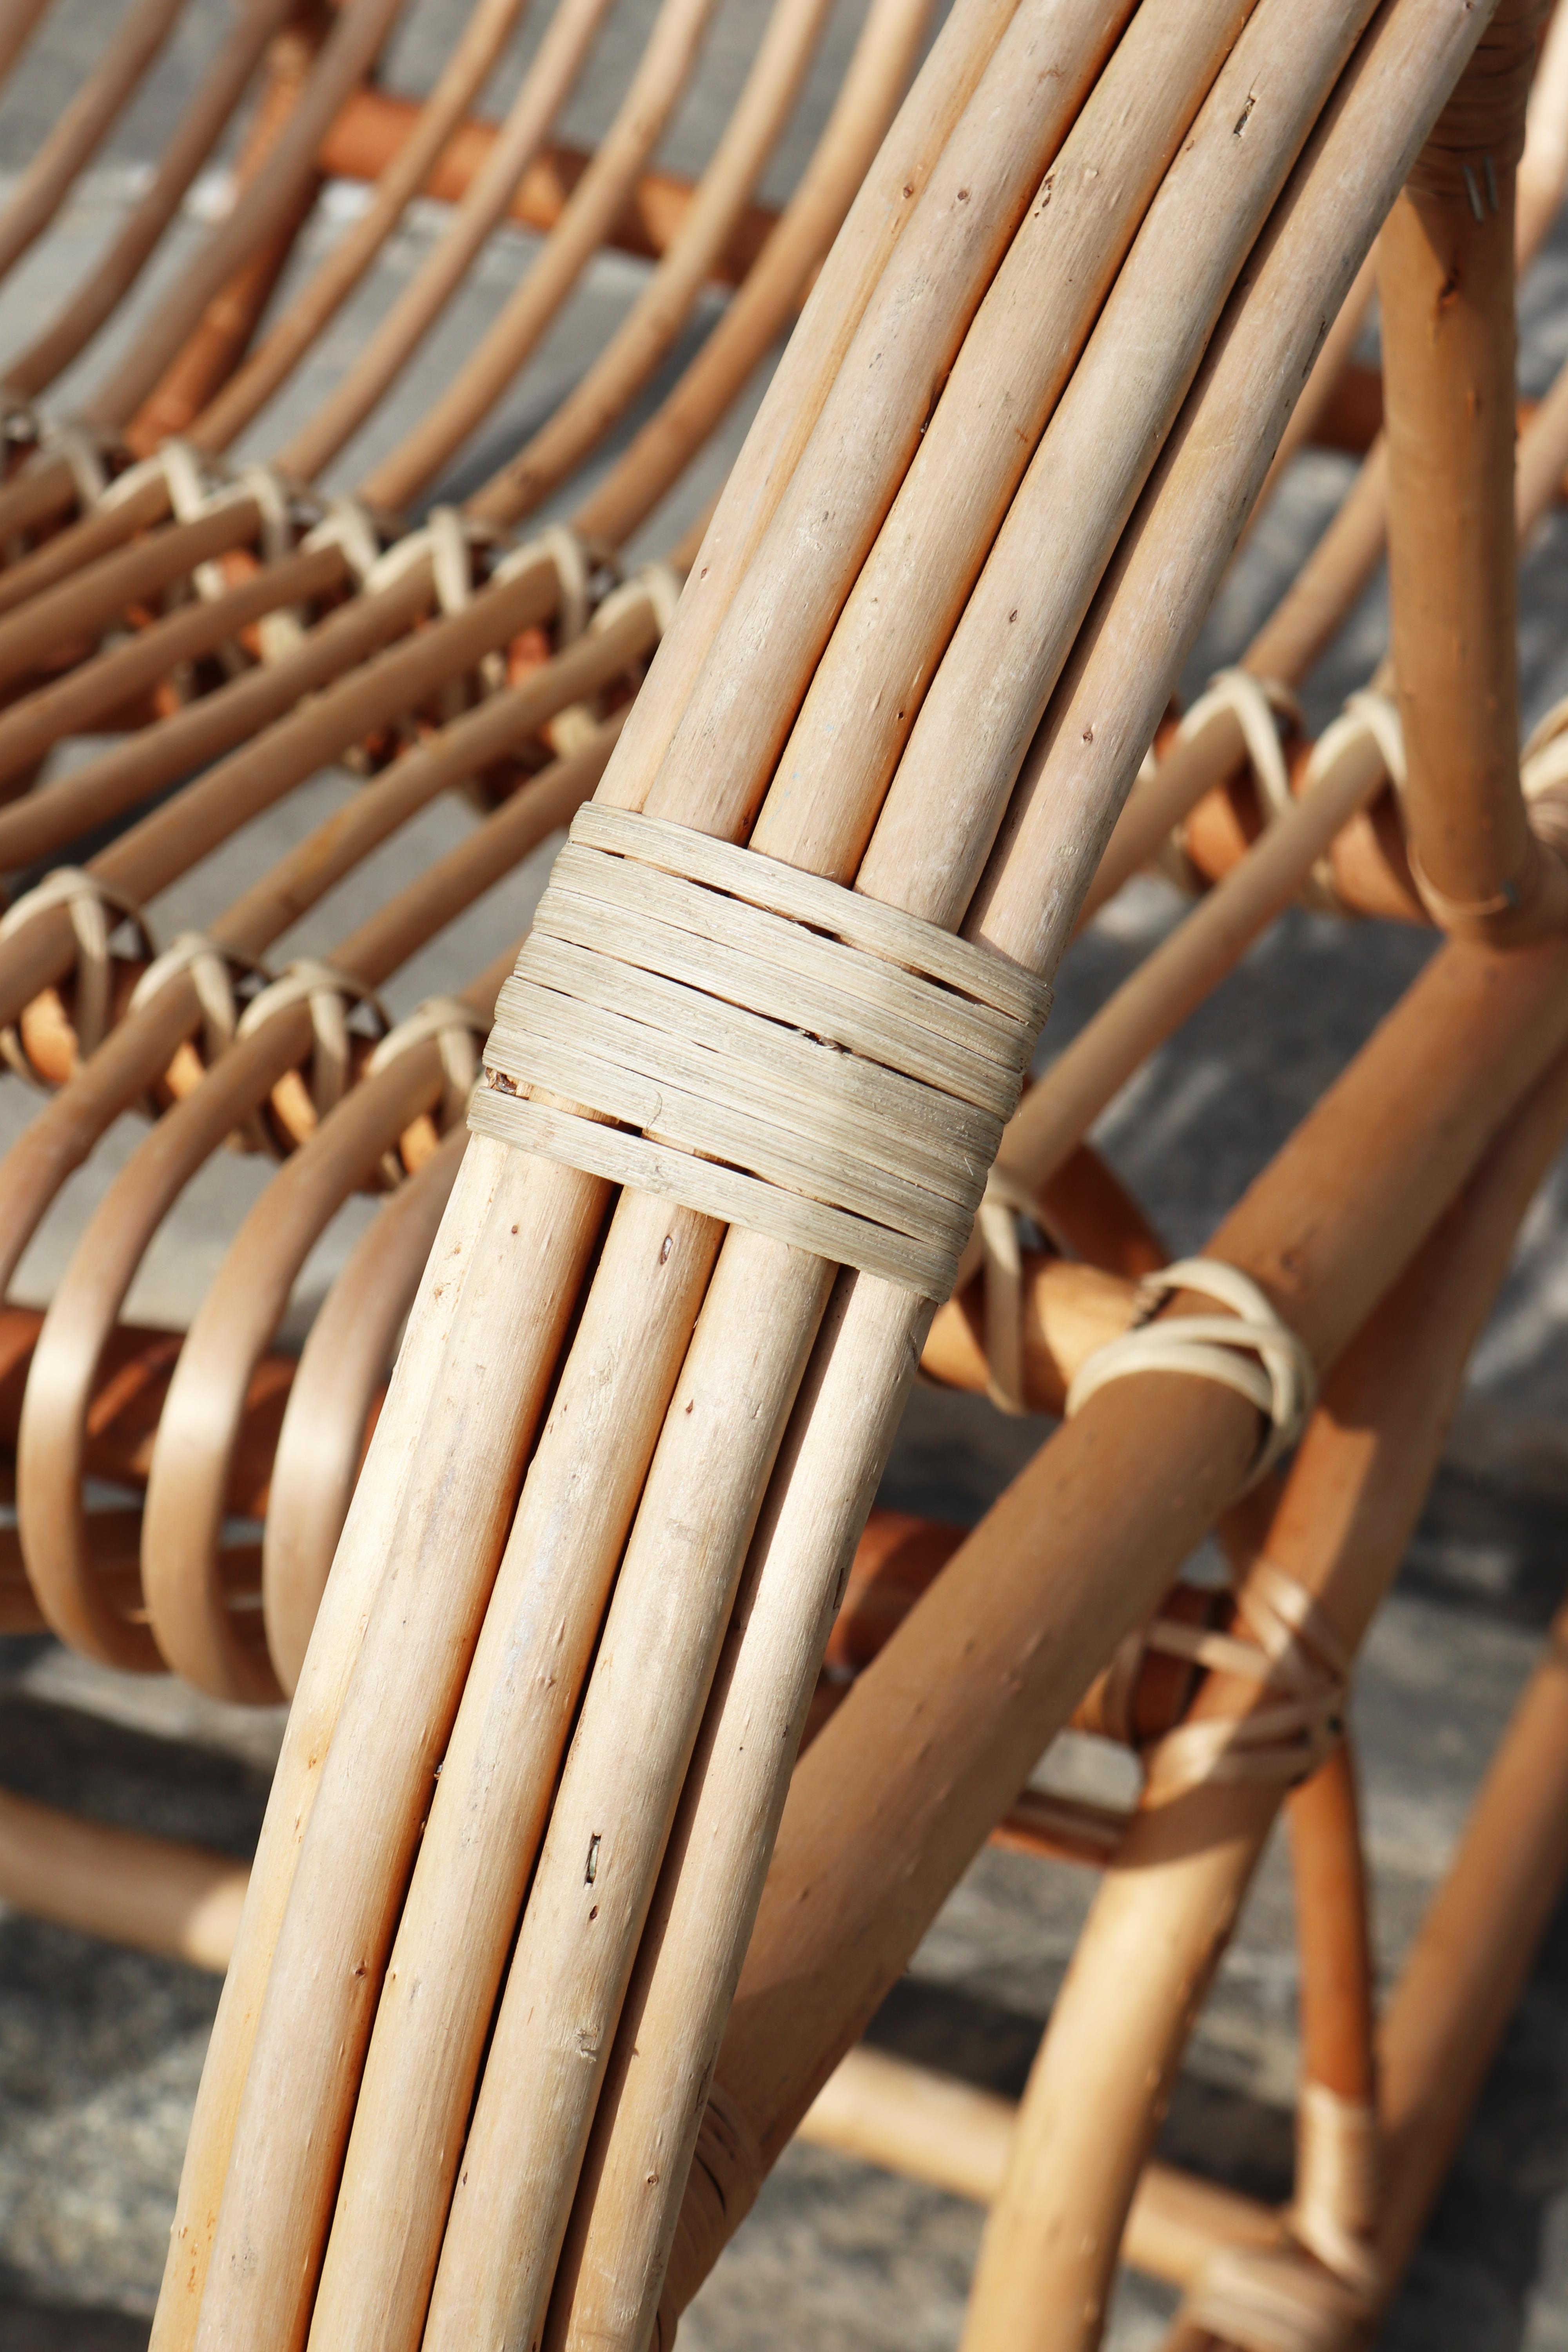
(774, 1051)
(1265, 711)
(1281, 1381)
(1260, 707)
(1316, 2291)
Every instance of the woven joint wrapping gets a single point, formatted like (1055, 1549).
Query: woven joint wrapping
(761, 1046)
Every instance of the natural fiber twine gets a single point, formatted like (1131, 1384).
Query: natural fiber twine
(1252, 1350)
(97, 910)
(773, 1050)
(1286, 1647)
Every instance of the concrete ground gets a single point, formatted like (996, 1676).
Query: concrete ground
(101, 2050)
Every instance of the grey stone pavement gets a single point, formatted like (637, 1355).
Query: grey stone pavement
(101, 2050)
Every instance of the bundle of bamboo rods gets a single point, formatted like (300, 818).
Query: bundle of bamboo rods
(726, 726)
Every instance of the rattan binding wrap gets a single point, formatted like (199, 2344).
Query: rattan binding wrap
(774, 1049)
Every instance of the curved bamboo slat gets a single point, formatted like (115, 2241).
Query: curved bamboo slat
(316, 304)
(224, 85)
(163, 752)
(18, 25)
(86, 122)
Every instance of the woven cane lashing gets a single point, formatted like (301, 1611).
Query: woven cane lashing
(795, 1057)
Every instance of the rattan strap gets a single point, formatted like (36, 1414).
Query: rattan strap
(1257, 705)
(1253, 1350)
(453, 1026)
(1286, 1647)
(214, 972)
(330, 995)
(1272, 2299)
(762, 1045)
(1338, 2179)
(96, 909)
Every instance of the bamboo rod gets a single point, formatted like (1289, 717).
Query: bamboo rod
(73, 141)
(223, 333)
(725, 747)
(1309, 616)
(488, 2282)
(145, 1043)
(87, 699)
(792, 408)
(1449, 345)
(83, 607)
(1334, 1935)
(108, 525)
(1172, 981)
(596, 203)
(374, 127)
(882, 62)
(784, 1340)
(136, 1366)
(1543, 167)
(1329, 372)
(406, 1475)
(172, 837)
(879, 71)
(333, 1403)
(683, 2016)
(1202, 763)
(203, 1417)
(1125, 391)
(266, 203)
(152, 1894)
(18, 23)
(1472, 1958)
(715, 377)
(928, 2126)
(640, 342)
(734, 1426)
(399, 178)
